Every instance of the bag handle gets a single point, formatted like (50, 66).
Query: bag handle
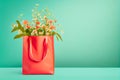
(32, 54)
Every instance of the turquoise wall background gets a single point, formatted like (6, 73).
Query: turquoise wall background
(91, 38)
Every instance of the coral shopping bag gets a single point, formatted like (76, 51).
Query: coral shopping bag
(38, 55)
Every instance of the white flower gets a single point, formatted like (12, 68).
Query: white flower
(32, 33)
(33, 10)
(62, 32)
(45, 17)
(47, 33)
(33, 15)
(43, 10)
(19, 31)
(40, 32)
(34, 19)
(14, 25)
(37, 5)
(21, 14)
(38, 14)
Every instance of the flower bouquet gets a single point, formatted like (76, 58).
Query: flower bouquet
(41, 25)
(38, 42)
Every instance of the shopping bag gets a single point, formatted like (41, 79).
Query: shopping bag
(38, 55)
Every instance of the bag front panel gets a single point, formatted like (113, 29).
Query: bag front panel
(43, 47)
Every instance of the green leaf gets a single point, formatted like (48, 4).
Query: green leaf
(52, 33)
(59, 36)
(15, 29)
(47, 24)
(40, 30)
(20, 26)
(44, 31)
(19, 36)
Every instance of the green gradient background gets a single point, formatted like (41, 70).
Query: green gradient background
(91, 38)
